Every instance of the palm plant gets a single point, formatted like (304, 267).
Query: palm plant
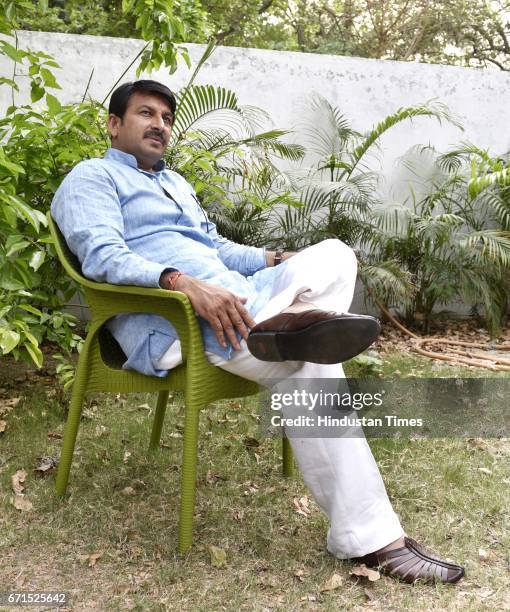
(452, 242)
(339, 190)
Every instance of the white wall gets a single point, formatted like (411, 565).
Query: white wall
(366, 90)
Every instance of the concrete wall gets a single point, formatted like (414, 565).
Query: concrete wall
(365, 90)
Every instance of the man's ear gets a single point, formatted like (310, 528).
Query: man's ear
(113, 125)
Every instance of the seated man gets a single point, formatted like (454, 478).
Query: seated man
(130, 221)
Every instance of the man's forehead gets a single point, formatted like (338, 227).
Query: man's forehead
(139, 98)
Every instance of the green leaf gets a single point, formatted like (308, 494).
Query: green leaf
(127, 5)
(35, 353)
(10, 82)
(10, 284)
(49, 79)
(16, 247)
(30, 308)
(24, 211)
(36, 91)
(13, 168)
(32, 339)
(12, 52)
(37, 260)
(54, 105)
(8, 340)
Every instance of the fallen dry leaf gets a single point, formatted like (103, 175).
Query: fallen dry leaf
(299, 575)
(46, 465)
(483, 554)
(252, 488)
(6, 405)
(127, 455)
(93, 558)
(128, 491)
(477, 443)
(20, 502)
(485, 471)
(218, 556)
(17, 481)
(54, 435)
(302, 505)
(211, 477)
(251, 442)
(238, 515)
(365, 572)
(369, 595)
(3, 426)
(100, 430)
(332, 583)
(227, 419)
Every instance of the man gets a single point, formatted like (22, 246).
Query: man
(131, 221)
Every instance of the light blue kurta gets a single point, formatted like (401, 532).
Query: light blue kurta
(125, 230)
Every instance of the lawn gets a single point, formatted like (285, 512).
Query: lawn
(112, 543)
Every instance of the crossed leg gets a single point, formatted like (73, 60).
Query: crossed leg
(341, 473)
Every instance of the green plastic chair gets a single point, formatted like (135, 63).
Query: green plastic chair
(100, 369)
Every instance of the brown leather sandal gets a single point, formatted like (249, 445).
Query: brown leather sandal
(413, 562)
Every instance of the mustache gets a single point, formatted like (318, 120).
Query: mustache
(154, 134)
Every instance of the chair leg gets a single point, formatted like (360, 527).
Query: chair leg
(72, 424)
(188, 477)
(159, 416)
(288, 462)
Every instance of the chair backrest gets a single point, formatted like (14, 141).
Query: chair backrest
(67, 258)
(111, 352)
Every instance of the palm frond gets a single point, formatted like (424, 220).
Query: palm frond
(499, 206)
(439, 226)
(202, 100)
(489, 246)
(452, 160)
(392, 219)
(327, 129)
(435, 110)
(387, 281)
(479, 183)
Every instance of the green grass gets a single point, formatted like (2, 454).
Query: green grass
(276, 558)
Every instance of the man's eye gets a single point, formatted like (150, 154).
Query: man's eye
(145, 112)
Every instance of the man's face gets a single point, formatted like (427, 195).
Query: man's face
(145, 129)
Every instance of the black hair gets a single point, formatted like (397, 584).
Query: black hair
(120, 97)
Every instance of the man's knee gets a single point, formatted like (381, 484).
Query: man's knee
(339, 252)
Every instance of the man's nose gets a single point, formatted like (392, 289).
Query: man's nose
(158, 122)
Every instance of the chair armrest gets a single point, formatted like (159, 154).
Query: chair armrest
(106, 301)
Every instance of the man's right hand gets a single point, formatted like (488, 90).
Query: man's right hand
(224, 310)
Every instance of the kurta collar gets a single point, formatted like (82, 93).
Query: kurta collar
(130, 160)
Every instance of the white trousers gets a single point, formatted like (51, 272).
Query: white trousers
(341, 472)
